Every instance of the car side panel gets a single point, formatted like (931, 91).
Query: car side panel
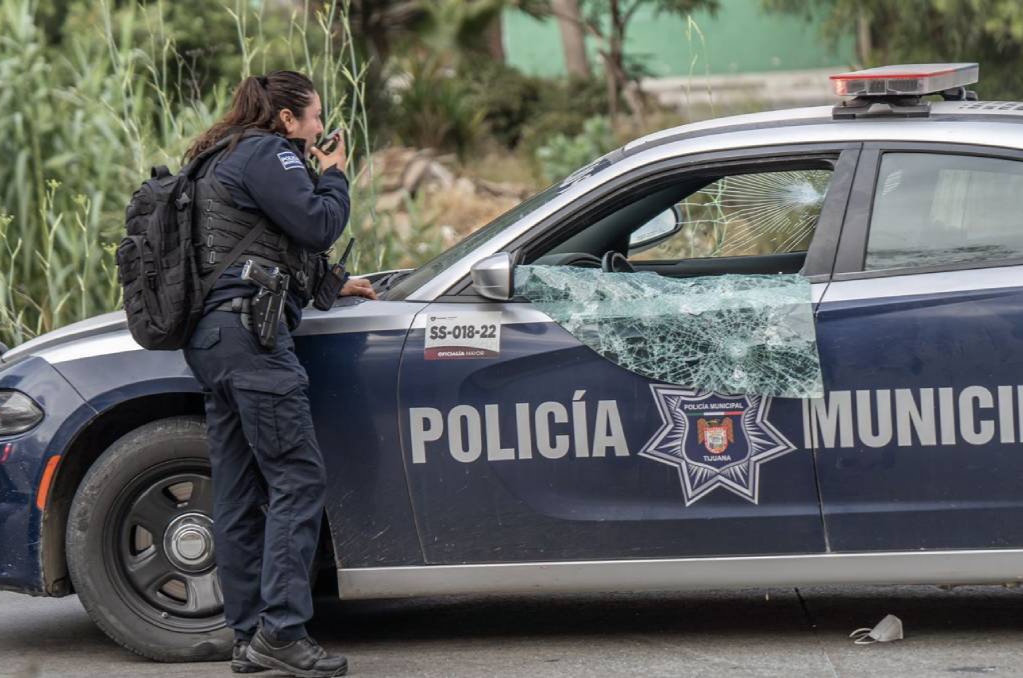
(920, 436)
(353, 378)
(351, 354)
(511, 504)
(23, 466)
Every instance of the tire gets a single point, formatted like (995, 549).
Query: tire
(139, 545)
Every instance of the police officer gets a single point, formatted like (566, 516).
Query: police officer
(257, 200)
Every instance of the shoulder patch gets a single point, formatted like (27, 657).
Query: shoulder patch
(289, 160)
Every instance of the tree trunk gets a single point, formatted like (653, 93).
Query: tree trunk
(616, 65)
(572, 38)
(613, 60)
(495, 39)
(612, 86)
(864, 44)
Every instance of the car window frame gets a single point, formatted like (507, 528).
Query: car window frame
(820, 261)
(852, 247)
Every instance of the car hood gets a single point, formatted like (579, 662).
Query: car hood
(107, 323)
(100, 324)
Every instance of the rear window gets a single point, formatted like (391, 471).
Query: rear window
(935, 209)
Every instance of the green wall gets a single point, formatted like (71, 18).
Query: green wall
(742, 38)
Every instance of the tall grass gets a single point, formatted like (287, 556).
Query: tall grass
(80, 127)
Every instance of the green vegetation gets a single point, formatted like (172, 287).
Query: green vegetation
(989, 32)
(82, 120)
(437, 110)
(562, 155)
(523, 112)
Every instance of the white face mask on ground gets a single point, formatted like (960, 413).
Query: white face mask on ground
(887, 630)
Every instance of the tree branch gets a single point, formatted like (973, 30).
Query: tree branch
(592, 29)
(627, 16)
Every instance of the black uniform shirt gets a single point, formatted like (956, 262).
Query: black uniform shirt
(268, 174)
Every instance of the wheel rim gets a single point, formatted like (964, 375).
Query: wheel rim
(159, 539)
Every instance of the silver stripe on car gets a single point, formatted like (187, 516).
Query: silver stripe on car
(915, 567)
(944, 282)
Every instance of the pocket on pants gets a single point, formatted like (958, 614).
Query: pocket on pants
(199, 356)
(274, 409)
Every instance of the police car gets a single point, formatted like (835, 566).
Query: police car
(480, 440)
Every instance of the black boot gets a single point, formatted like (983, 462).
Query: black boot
(240, 662)
(303, 658)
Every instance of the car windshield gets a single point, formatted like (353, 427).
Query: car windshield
(443, 261)
(419, 277)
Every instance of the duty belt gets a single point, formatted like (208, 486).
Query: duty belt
(236, 305)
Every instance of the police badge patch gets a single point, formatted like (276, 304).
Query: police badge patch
(714, 440)
(289, 160)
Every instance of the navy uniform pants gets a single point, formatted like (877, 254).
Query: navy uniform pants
(268, 474)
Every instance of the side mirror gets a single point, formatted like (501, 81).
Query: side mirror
(657, 230)
(493, 277)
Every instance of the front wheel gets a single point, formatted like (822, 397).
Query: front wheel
(140, 545)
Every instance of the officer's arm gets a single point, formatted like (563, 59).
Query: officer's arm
(312, 215)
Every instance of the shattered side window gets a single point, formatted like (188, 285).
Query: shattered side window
(750, 334)
(747, 215)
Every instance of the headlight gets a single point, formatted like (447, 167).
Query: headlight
(18, 413)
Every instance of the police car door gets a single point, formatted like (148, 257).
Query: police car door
(919, 435)
(523, 444)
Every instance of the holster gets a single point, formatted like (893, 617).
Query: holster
(267, 312)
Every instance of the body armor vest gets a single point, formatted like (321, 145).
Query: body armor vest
(219, 226)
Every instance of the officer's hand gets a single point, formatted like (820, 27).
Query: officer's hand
(336, 158)
(358, 287)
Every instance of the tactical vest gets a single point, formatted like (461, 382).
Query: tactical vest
(219, 226)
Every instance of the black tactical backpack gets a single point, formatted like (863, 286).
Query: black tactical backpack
(163, 292)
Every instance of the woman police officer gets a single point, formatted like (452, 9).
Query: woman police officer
(268, 472)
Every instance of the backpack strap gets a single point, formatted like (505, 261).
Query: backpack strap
(233, 255)
(218, 188)
(196, 164)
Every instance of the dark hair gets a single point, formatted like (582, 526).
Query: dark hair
(256, 105)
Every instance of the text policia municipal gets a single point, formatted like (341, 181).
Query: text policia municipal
(974, 415)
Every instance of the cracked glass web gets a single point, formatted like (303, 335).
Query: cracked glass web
(747, 214)
(730, 334)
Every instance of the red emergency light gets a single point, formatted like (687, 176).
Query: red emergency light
(905, 80)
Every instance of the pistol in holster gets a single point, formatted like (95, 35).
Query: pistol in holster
(268, 303)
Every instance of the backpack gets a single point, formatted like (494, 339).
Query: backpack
(156, 267)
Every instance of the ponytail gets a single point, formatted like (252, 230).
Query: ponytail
(257, 104)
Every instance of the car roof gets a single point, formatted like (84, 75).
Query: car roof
(941, 111)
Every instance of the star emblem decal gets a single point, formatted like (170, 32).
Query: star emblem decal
(714, 440)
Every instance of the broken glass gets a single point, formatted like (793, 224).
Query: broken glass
(730, 334)
(747, 214)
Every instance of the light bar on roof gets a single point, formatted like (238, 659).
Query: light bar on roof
(905, 80)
